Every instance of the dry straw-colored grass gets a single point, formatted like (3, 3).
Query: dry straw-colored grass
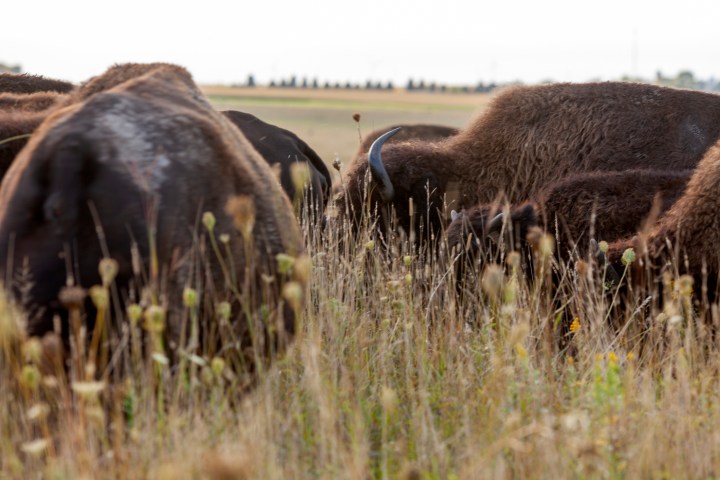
(390, 376)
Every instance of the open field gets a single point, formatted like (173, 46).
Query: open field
(391, 374)
(324, 118)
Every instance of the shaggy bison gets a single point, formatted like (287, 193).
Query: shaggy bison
(610, 206)
(529, 137)
(283, 148)
(20, 115)
(126, 170)
(685, 239)
(24, 83)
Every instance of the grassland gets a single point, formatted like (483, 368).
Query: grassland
(324, 118)
(391, 375)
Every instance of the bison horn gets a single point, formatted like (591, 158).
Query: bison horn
(494, 227)
(454, 215)
(377, 168)
(495, 223)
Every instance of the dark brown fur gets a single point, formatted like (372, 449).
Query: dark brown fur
(283, 148)
(24, 83)
(531, 136)
(610, 206)
(149, 151)
(692, 229)
(20, 114)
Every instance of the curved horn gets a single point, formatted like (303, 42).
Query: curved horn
(495, 223)
(377, 168)
(494, 227)
(454, 215)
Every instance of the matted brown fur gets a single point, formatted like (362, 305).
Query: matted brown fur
(20, 114)
(607, 206)
(148, 151)
(688, 235)
(532, 136)
(424, 132)
(25, 83)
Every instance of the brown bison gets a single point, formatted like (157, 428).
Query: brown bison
(428, 133)
(283, 148)
(529, 137)
(20, 115)
(24, 83)
(686, 238)
(126, 170)
(609, 206)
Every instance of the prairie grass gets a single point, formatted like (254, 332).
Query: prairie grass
(391, 375)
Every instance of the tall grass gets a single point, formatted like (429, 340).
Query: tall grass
(392, 374)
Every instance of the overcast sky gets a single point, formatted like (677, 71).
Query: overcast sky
(449, 41)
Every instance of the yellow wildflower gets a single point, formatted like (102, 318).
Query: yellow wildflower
(575, 325)
(612, 358)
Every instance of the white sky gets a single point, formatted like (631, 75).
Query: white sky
(449, 41)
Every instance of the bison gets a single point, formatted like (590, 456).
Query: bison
(528, 137)
(283, 148)
(609, 206)
(24, 83)
(24, 103)
(685, 239)
(20, 115)
(126, 170)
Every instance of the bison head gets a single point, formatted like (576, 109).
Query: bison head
(404, 186)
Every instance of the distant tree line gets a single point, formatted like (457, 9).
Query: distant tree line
(377, 85)
(684, 79)
(5, 68)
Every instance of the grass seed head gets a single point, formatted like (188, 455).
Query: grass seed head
(208, 220)
(155, 319)
(32, 350)
(300, 175)
(30, 377)
(492, 280)
(242, 210)
(302, 269)
(337, 164)
(108, 269)
(628, 257)
(223, 310)
(72, 297)
(134, 312)
(99, 296)
(285, 263)
(190, 297)
(293, 294)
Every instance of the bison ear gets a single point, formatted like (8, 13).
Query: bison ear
(494, 228)
(68, 172)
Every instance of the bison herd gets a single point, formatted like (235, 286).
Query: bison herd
(137, 166)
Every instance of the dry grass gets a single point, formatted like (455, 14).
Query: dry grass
(391, 376)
